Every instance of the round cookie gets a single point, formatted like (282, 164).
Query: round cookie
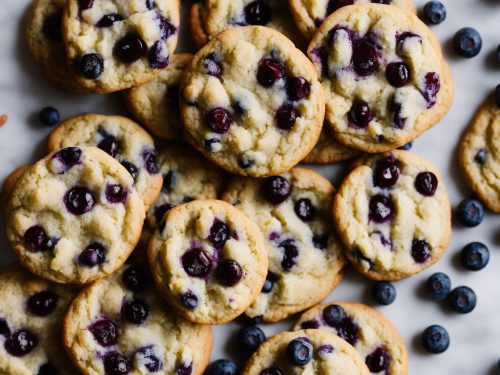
(251, 102)
(384, 76)
(393, 215)
(113, 45)
(329, 150)
(8, 186)
(310, 14)
(479, 154)
(208, 260)
(369, 331)
(45, 41)
(305, 255)
(186, 176)
(74, 216)
(31, 315)
(121, 138)
(327, 354)
(122, 322)
(155, 104)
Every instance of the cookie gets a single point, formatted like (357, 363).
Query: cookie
(479, 155)
(186, 176)
(121, 138)
(329, 150)
(370, 332)
(155, 104)
(384, 76)
(311, 351)
(393, 215)
(113, 45)
(251, 102)
(310, 14)
(121, 322)
(74, 216)
(208, 260)
(31, 315)
(9, 184)
(45, 41)
(305, 255)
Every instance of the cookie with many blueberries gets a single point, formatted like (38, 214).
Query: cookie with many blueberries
(329, 150)
(75, 216)
(479, 154)
(251, 102)
(113, 45)
(369, 331)
(305, 254)
(393, 215)
(384, 76)
(208, 260)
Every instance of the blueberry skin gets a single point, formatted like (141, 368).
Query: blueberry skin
(467, 42)
(49, 116)
(438, 286)
(470, 212)
(435, 339)
(300, 351)
(384, 293)
(434, 12)
(406, 147)
(475, 256)
(463, 299)
(222, 367)
(249, 338)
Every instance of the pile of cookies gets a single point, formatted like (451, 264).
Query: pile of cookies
(137, 252)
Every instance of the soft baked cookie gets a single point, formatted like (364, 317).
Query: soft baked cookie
(122, 323)
(186, 176)
(74, 216)
(155, 104)
(121, 138)
(31, 315)
(370, 332)
(329, 150)
(384, 76)
(393, 215)
(305, 254)
(210, 17)
(310, 14)
(311, 351)
(113, 45)
(8, 186)
(480, 154)
(208, 260)
(251, 102)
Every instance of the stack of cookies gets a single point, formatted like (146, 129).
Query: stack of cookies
(130, 254)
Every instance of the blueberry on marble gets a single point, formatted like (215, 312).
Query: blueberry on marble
(105, 332)
(475, 256)
(219, 120)
(257, 13)
(333, 315)
(285, 117)
(300, 351)
(93, 255)
(386, 173)
(249, 338)
(462, 299)
(130, 48)
(79, 200)
(384, 293)
(49, 116)
(222, 367)
(90, 65)
(378, 360)
(467, 42)
(435, 339)
(360, 115)
(438, 286)
(470, 212)
(189, 300)
(276, 189)
(381, 208)
(21, 343)
(196, 263)
(229, 272)
(116, 364)
(42, 303)
(420, 251)
(136, 311)
(426, 183)
(434, 12)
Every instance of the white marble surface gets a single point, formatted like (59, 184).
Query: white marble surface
(475, 338)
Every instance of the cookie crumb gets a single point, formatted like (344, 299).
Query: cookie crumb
(3, 119)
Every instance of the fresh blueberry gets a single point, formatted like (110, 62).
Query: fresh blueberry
(475, 256)
(467, 42)
(406, 147)
(222, 367)
(333, 315)
(49, 116)
(135, 279)
(42, 303)
(435, 339)
(116, 364)
(300, 351)
(130, 48)
(384, 293)
(257, 13)
(249, 338)
(90, 65)
(105, 332)
(434, 12)
(21, 343)
(229, 272)
(470, 212)
(276, 189)
(378, 360)
(136, 312)
(438, 286)
(463, 299)
(93, 255)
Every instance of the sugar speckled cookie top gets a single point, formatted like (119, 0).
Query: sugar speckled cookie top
(31, 315)
(371, 333)
(155, 104)
(121, 322)
(329, 150)
(311, 351)
(393, 215)
(114, 45)
(74, 216)
(384, 76)
(480, 154)
(251, 102)
(208, 260)
(121, 138)
(305, 254)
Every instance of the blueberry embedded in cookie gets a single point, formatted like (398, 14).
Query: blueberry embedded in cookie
(208, 260)
(380, 91)
(393, 215)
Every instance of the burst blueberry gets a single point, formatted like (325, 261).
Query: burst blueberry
(136, 311)
(421, 251)
(285, 117)
(378, 360)
(196, 263)
(438, 286)
(110, 144)
(384, 293)
(475, 256)
(381, 208)
(470, 212)
(93, 255)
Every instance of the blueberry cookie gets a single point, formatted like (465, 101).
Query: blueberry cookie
(8, 186)
(74, 216)
(114, 45)
(121, 325)
(208, 260)
(251, 102)
(210, 17)
(186, 176)
(480, 155)
(155, 104)
(393, 215)
(310, 14)
(121, 138)
(329, 150)
(305, 255)
(31, 315)
(384, 76)
(311, 351)
(371, 333)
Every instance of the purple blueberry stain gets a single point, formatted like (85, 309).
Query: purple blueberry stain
(184, 369)
(290, 254)
(212, 65)
(402, 38)
(105, 332)
(148, 358)
(159, 55)
(93, 255)
(150, 161)
(273, 236)
(430, 89)
(166, 28)
(387, 242)
(326, 349)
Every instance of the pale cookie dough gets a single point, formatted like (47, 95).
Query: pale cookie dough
(8, 186)
(329, 150)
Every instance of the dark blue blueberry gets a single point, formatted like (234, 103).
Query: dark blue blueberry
(20, 343)
(130, 48)
(381, 208)
(213, 66)
(146, 356)
(384, 293)
(467, 42)
(420, 251)
(196, 263)
(135, 279)
(108, 20)
(166, 28)
(378, 360)
(36, 239)
(250, 321)
(131, 168)
(365, 57)
(475, 256)
(276, 189)
(285, 117)
(463, 299)
(219, 120)
(222, 367)
(160, 211)
(116, 364)
(189, 300)
(406, 147)
(426, 183)
(304, 209)
(333, 315)
(470, 212)
(90, 65)
(110, 145)
(360, 115)
(68, 157)
(4, 328)
(434, 12)
(386, 173)
(47, 369)
(150, 159)
(435, 339)
(269, 283)
(169, 181)
(333, 5)
(481, 156)
(52, 26)
(396, 107)
(105, 332)
(310, 324)
(116, 193)
(159, 55)
(438, 286)
(257, 13)
(79, 200)
(290, 254)
(249, 338)
(320, 241)
(300, 351)
(93, 255)
(42, 303)
(49, 116)
(228, 272)
(298, 88)
(397, 74)
(136, 312)
(219, 234)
